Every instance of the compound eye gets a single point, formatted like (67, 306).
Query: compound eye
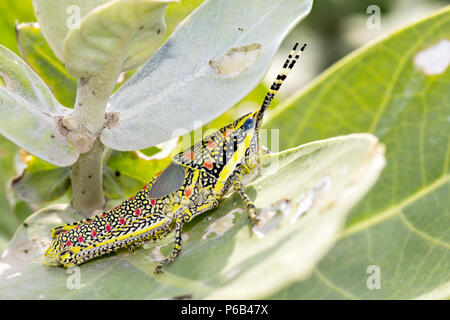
(249, 123)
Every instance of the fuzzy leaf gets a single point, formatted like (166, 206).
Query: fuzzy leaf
(116, 37)
(28, 110)
(40, 181)
(36, 52)
(178, 90)
(304, 194)
(56, 18)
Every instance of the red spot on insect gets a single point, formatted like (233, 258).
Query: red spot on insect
(89, 221)
(108, 227)
(94, 233)
(68, 243)
(77, 227)
(117, 207)
(138, 211)
(188, 192)
(212, 144)
(189, 155)
(80, 239)
(227, 132)
(65, 231)
(158, 173)
(104, 215)
(208, 165)
(153, 202)
(131, 198)
(122, 221)
(144, 187)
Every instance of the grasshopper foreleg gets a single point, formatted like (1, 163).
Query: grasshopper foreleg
(237, 185)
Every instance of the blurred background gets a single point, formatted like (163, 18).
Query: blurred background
(333, 29)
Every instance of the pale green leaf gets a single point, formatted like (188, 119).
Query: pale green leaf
(115, 37)
(56, 18)
(178, 90)
(124, 174)
(28, 111)
(40, 181)
(308, 190)
(36, 52)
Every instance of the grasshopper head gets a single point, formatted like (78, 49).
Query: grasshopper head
(246, 127)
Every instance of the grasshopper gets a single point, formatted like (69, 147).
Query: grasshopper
(195, 181)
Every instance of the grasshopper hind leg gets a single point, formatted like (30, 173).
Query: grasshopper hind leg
(187, 215)
(248, 203)
(176, 248)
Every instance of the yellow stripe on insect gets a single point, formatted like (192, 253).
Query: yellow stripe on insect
(228, 169)
(126, 236)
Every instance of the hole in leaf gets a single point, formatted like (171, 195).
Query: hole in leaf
(435, 59)
(220, 226)
(270, 217)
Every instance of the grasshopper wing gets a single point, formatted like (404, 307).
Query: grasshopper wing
(171, 179)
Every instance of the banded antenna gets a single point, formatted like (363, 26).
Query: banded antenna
(287, 67)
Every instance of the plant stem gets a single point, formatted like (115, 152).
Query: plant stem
(87, 181)
(87, 173)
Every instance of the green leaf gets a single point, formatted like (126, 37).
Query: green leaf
(127, 172)
(124, 174)
(304, 193)
(13, 11)
(177, 12)
(28, 111)
(36, 52)
(402, 225)
(7, 213)
(178, 91)
(40, 181)
(115, 37)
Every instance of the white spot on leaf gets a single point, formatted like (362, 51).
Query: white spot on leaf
(156, 254)
(324, 184)
(305, 204)
(236, 60)
(14, 275)
(270, 217)
(4, 267)
(435, 59)
(230, 274)
(220, 226)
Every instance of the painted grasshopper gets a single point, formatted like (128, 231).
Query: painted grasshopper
(195, 182)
